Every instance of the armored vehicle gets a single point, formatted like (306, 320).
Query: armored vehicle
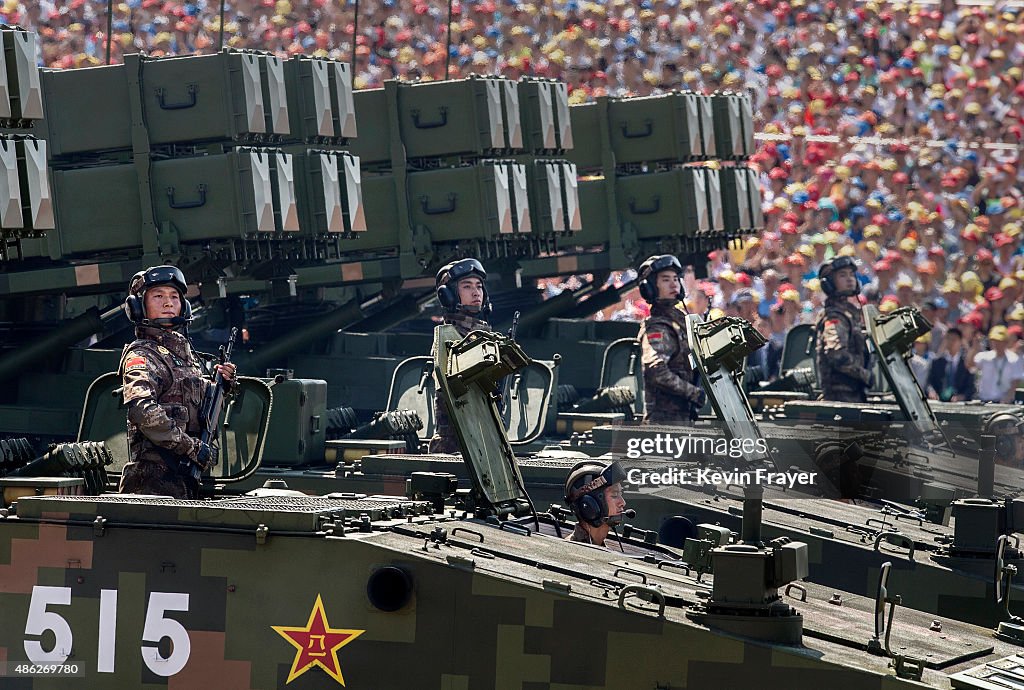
(89, 594)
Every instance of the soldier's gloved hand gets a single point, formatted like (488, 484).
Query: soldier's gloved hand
(206, 455)
(698, 398)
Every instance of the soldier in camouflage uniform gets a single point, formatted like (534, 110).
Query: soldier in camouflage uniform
(671, 395)
(593, 490)
(462, 292)
(163, 389)
(841, 348)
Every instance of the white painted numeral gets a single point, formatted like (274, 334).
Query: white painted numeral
(158, 627)
(108, 629)
(40, 620)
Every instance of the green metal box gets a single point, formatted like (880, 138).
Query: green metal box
(309, 98)
(283, 192)
(104, 126)
(381, 207)
(461, 117)
(736, 199)
(329, 185)
(194, 99)
(713, 184)
(663, 204)
(747, 120)
(297, 434)
(544, 112)
(594, 215)
(98, 211)
(205, 198)
(321, 104)
(563, 123)
(25, 203)
(754, 190)
(656, 128)
(466, 203)
(204, 98)
(513, 115)
(709, 149)
(20, 92)
(275, 95)
(221, 196)
(374, 146)
(554, 198)
(343, 108)
(696, 215)
(733, 122)
(585, 119)
(36, 198)
(519, 181)
(741, 195)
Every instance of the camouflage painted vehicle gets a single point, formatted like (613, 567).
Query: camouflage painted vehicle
(385, 592)
(901, 408)
(951, 565)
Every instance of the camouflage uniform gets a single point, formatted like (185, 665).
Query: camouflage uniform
(842, 352)
(670, 396)
(580, 534)
(445, 440)
(163, 389)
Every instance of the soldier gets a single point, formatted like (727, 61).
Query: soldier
(163, 389)
(671, 395)
(462, 292)
(1008, 429)
(841, 348)
(593, 491)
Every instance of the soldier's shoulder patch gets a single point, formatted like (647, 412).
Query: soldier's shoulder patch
(135, 362)
(654, 336)
(163, 350)
(831, 322)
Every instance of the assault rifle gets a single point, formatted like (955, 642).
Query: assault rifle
(209, 411)
(506, 388)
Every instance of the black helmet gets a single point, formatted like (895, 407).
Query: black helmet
(648, 274)
(447, 280)
(134, 304)
(584, 489)
(1004, 426)
(826, 275)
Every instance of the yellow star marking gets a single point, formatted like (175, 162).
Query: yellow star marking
(316, 644)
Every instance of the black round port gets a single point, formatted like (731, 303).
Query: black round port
(389, 588)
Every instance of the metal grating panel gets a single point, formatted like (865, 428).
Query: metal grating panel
(290, 513)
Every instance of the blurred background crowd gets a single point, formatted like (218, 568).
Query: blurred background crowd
(892, 130)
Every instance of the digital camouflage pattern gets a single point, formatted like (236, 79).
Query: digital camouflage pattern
(842, 352)
(445, 439)
(669, 391)
(163, 390)
(487, 609)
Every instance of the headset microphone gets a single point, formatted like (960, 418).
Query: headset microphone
(617, 518)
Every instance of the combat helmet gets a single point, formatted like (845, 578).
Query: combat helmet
(648, 275)
(155, 276)
(447, 281)
(584, 489)
(826, 275)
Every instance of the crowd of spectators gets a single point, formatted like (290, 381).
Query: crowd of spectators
(930, 204)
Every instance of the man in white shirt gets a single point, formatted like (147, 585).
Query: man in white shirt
(999, 369)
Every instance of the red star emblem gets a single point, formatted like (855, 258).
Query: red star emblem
(316, 644)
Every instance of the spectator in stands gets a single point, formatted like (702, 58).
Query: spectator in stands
(999, 370)
(949, 379)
